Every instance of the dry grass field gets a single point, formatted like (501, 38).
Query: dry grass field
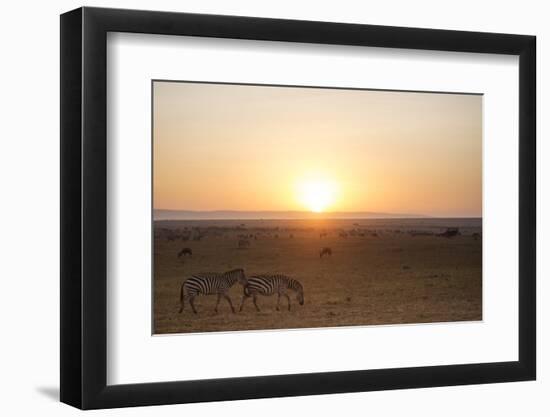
(386, 271)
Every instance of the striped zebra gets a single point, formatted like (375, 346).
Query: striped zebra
(208, 283)
(268, 285)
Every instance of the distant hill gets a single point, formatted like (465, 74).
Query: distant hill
(270, 215)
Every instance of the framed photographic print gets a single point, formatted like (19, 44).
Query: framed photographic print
(257, 207)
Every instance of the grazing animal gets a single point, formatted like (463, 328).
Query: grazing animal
(343, 235)
(243, 243)
(268, 285)
(208, 283)
(322, 235)
(450, 232)
(476, 236)
(415, 233)
(325, 251)
(185, 251)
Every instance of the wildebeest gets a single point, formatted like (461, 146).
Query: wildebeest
(243, 243)
(415, 233)
(209, 283)
(325, 251)
(450, 232)
(267, 285)
(184, 252)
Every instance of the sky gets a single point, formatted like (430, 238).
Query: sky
(242, 147)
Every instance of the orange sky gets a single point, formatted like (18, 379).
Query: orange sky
(238, 147)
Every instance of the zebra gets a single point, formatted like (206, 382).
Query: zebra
(208, 283)
(268, 285)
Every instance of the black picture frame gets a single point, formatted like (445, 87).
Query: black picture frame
(84, 207)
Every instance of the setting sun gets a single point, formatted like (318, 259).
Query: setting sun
(317, 195)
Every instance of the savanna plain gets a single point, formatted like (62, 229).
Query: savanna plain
(380, 271)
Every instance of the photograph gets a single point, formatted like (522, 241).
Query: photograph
(287, 207)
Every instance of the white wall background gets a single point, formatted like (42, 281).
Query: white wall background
(29, 175)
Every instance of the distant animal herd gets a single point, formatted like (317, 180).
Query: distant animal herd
(265, 285)
(245, 239)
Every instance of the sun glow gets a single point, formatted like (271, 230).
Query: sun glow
(317, 195)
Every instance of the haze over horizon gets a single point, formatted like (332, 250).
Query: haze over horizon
(168, 214)
(316, 151)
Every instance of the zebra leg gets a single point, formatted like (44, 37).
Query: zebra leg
(192, 303)
(278, 300)
(218, 302)
(242, 303)
(255, 304)
(230, 303)
(185, 298)
(288, 299)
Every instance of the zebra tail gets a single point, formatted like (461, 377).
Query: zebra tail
(182, 302)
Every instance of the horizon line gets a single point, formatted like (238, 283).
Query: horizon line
(302, 215)
(323, 218)
(308, 212)
(283, 211)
